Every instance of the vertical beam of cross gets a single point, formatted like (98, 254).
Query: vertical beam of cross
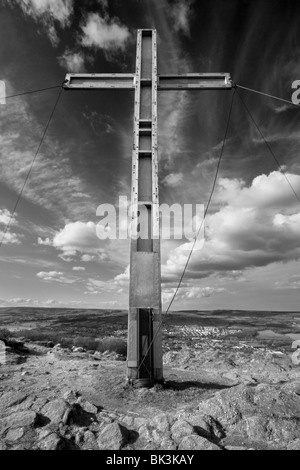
(144, 357)
(144, 337)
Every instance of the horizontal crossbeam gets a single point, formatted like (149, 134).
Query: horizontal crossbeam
(195, 81)
(88, 81)
(127, 81)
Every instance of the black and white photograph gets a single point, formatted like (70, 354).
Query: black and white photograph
(149, 227)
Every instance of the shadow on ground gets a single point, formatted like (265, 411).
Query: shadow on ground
(175, 385)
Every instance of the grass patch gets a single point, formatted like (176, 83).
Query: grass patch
(111, 344)
(4, 334)
(89, 343)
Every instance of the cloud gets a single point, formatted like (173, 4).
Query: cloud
(56, 276)
(88, 258)
(53, 185)
(78, 241)
(181, 12)
(78, 268)
(123, 278)
(104, 33)
(190, 292)
(293, 282)
(46, 241)
(266, 191)
(78, 238)
(50, 13)
(173, 179)
(117, 285)
(100, 123)
(255, 226)
(72, 61)
(282, 109)
(6, 217)
(10, 238)
(18, 300)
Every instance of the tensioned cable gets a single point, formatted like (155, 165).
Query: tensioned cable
(30, 168)
(199, 230)
(30, 92)
(268, 146)
(265, 94)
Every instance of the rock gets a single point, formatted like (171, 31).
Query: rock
(79, 437)
(181, 429)
(42, 433)
(78, 350)
(127, 421)
(9, 399)
(106, 418)
(225, 406)
(94, 427)
(294, 445)
(146, 432)
(67, 415)
(71, 396)
(18, 420)
(283, 430)
(87, 406)
(2, 445)
(39, 403)
(161, 423)
(232, 376)
(255, 428)
(206, 426)
(112, 437)
(14, 434)
(168, 444)
(235, 448)
(195, 442)
(24, 405)
(89, 441)
(138, 422)
(51, 442)
(55, 410)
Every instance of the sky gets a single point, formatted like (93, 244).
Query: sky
(51, 255)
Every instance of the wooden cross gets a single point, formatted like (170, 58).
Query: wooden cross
(144, 358)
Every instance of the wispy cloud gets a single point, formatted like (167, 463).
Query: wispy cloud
(53, 184)
(72, 61)
(181, 12)
(50, 13)
(100, 123)
(104, 33)
(78, 268)
(173, 179)
(56, 276)
(11, 238)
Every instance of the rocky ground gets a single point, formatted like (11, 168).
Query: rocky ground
(54, 398)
